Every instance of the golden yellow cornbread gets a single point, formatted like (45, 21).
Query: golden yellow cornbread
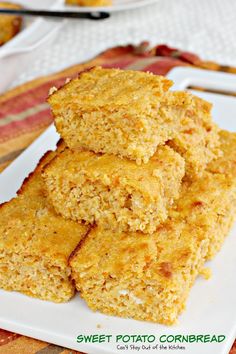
(148, 277)
(145, 277)
(35, 243)
(10, 25)
(196, 137)
(112, 111)
(129, 114)
(114, 192)
(227, 162)
(89, 2)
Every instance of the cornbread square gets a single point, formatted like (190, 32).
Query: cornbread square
(35, 243)
(196, 137)
(112, 111)
(89, 2)
(148, 277)
(210, 205)
(10, 25)
(114, 192)
(140, 276)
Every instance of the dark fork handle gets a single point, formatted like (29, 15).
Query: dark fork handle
(57, 14)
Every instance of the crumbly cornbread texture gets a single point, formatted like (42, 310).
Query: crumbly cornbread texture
(148, 277)
(115, 192)
(10, 25)
(210, 205)
(113, 111)
(225, 164)
(196, 137)
(89, 2)
(35, 244)
(130, 113)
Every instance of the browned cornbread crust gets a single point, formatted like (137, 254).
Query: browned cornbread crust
(196, 138)
(9, 25)
(89, 2)
(112, 111)
(35, 243)
(115, 192)
(149, 277)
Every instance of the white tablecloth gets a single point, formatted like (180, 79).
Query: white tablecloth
(206, 27)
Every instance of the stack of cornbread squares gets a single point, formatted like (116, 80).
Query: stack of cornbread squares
(139, 194)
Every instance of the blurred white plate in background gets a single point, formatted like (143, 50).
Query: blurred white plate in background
(117, 5)
(35, 36)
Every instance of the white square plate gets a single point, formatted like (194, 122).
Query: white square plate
(211, 307)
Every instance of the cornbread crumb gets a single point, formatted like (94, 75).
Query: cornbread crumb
(114, 192)
(52, 90)
(10, 25)
(206, 273)
(35, 243)
(113, 111)
(148, 277)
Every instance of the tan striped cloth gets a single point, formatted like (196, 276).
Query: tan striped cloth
(24, 115)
